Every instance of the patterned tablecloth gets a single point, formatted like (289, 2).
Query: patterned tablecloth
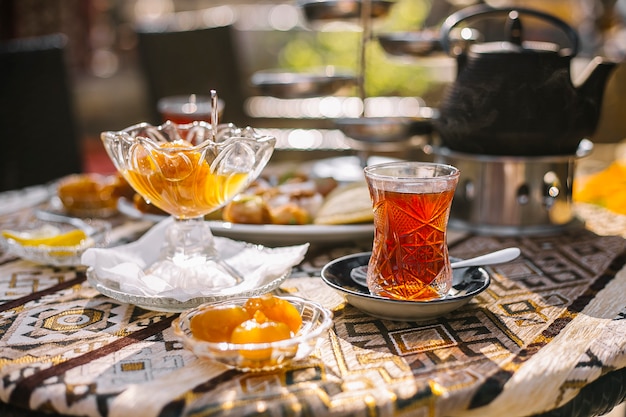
(550, 323)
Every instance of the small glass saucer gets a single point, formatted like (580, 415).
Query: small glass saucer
(256, 357)
(57, 255)
(171, 305)
(466, 284)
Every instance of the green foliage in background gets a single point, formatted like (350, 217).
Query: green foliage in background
(384, 76)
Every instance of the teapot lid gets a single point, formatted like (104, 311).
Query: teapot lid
(511, 47)
(513, 41)
(514, 30)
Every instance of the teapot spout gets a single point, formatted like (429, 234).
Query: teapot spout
(592, 80)
(590, 90)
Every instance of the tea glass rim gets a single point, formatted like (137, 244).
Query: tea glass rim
(383, 171)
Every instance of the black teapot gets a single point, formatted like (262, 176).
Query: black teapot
(516, 96)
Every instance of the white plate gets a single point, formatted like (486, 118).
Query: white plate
(276, 234)
(466, 284)
(272, 234)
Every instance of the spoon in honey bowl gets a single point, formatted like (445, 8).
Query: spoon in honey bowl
(214, 113)
(359, 274)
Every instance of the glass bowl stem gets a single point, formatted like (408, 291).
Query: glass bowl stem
(189, 253)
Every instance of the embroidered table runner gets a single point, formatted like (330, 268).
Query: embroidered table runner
(551, 322)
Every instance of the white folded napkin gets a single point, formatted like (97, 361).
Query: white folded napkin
(124, 265)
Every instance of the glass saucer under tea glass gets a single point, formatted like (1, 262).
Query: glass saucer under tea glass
(189, 170)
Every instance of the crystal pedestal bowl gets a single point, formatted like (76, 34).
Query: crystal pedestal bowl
(189, 170)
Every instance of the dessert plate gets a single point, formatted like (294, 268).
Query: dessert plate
(271, 234)
(466, 284)
(172, 305)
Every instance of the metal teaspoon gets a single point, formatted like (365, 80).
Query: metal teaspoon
(492, 258)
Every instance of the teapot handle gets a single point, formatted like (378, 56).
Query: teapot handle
(484, 9)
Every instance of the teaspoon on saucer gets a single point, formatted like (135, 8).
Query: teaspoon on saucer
(359, 274)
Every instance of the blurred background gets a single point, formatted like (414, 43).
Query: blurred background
(112, 87)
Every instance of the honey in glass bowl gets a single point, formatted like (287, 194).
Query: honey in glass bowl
(177, 178)
(189, 171)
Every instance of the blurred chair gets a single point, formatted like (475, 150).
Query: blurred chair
(177, 61)
(38, 135)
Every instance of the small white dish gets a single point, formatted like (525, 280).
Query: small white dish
(466, 284)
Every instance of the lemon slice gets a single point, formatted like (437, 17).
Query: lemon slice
(345, 205)
(72, 238)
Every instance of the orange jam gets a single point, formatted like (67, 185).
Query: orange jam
(262, 319)
(217, 324)
(177, 178)
(259, 329)
(276, 309)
